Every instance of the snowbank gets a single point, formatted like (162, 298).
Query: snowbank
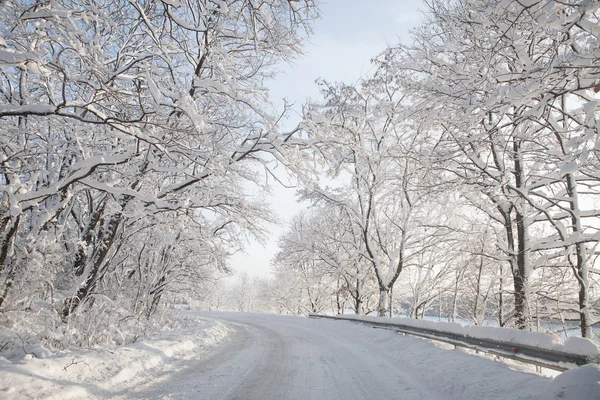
(461, 375)
(101, 374)
(546, 341)
(577, 384)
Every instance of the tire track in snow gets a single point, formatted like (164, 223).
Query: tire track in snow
(276, 358)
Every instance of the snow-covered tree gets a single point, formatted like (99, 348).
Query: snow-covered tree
(520, 78)
(381, 174)
(130, 115)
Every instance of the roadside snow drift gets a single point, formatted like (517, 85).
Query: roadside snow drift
(547, 341)
(104, 373)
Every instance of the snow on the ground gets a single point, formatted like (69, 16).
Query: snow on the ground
(349, 359)
(572, 345)
(103, 374)
(581, 383)
(268, 357)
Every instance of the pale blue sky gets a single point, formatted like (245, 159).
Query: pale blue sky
(349, 34)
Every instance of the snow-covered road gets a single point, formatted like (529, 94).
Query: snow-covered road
(273, 358)
(279, 357)
(267, 357)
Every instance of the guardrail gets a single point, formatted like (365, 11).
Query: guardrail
(556, 360)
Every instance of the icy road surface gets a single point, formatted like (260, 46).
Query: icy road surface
(268, 357)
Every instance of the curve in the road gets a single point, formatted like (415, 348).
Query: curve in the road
(270, 357)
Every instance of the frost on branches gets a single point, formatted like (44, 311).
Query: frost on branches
(523, 80)
(469, 162)
(129, 129)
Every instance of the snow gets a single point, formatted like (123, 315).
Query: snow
(10, 57)
(581, 346)
(154, 90)
(174, 3)
(223, 8)
(568, 168)
(27, 352)
(253, 356)
(40, 109)
(577, 384)
(573, 345)
(96, 373)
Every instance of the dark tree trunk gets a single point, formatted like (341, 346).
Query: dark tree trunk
(581, 268)
(97, 263)
(7, 263)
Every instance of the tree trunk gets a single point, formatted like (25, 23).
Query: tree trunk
(156, 294)
(8, 281)
(10, 225)
(501, 321)
(383, 297)
(581, 268)
(7, 262)
(358, 303)
(455, 299)
(521, 278)
(358, 306)
(97, 269)
(522, 268)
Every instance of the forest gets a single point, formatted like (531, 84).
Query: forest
(461, 179)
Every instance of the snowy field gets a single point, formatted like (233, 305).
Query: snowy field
(253, 356)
